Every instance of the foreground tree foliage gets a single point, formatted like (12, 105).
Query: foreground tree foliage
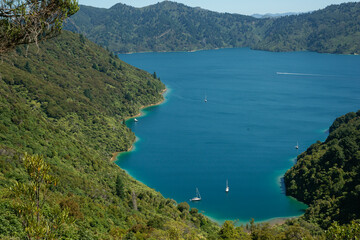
(29, 199)
(349, 231)
(28, 21)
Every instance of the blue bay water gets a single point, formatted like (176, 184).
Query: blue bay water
(260, 104)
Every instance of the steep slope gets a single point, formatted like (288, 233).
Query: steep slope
(327, 175)
(66, 100)
(170, 26)
(74, 80)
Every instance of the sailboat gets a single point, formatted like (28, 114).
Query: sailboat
(227, 186)
(198, 197)
(205, 100)
(135, 120)
(297, 145)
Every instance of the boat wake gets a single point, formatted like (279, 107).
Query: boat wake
(299, 74)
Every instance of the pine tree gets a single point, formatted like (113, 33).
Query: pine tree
(119, 187)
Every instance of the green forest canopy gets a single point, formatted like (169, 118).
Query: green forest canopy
(170, 26)
(327, 175)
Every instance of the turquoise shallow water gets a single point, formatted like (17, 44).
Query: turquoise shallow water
(260, 104)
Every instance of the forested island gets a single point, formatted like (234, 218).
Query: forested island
(170, 26)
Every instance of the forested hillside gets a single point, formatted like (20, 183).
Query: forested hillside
(166, 26)
(335, 29)
(66, 101)
(327, 175)
(170, 26)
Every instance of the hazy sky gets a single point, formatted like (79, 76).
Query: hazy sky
(247, 7)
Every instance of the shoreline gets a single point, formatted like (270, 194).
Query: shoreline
(254, 49)
(272, 221)
(277, 221)
(115, 154)
(150, 105)
(184, 51)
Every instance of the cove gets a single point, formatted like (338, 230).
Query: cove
(259, 105)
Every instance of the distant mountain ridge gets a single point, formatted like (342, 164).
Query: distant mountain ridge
(170, 26)
(274, 15)
(165, 26)
(334, 29)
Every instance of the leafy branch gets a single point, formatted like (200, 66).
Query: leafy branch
(29, 21)
(29, 199)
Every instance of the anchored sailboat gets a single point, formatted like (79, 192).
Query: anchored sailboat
(198, 197)
(227, 186)
(297, 145)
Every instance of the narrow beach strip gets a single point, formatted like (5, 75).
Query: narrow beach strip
(115, 154)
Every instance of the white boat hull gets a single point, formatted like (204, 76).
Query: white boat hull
(195, 199)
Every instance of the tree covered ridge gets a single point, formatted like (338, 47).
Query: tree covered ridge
(170, 26)
(327, 175)
(334, 29)
(166, 26)
(66, 101)
(82, 88)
